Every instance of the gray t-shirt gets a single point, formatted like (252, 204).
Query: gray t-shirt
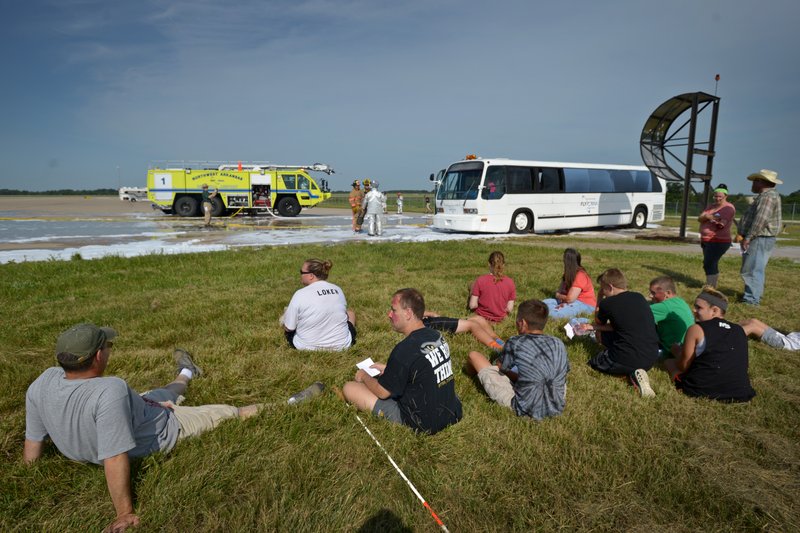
(90, 420)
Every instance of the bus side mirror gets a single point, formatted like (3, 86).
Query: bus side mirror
(432, 177)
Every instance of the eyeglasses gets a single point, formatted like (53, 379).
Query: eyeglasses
(304, 272)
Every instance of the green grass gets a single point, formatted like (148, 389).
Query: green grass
(790, 236)
(611, 462)
(412, 202)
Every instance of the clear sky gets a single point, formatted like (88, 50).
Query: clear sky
(94, 91)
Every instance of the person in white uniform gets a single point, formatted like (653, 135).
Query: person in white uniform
(375, 206)
(317, 317)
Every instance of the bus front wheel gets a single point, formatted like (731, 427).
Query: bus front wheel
(521, 222)
(639, 220)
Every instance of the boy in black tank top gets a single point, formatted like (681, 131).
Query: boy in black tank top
(713, 360)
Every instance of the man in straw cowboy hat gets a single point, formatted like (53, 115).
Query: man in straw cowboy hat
(758, 231)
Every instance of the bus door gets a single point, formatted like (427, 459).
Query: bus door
(494, 206)
(549, 205)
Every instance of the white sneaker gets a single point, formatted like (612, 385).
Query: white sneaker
(641, 382)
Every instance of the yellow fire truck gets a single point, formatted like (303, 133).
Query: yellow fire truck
(176, 188)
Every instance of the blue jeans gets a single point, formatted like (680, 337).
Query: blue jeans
(568, 310)
(754, 267)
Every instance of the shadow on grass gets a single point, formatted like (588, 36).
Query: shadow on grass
(679, 277)
(383, 521)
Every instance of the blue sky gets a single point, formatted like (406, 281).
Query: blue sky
(392, 90)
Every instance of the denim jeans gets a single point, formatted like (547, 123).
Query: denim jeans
(568, 310)
(754, 266)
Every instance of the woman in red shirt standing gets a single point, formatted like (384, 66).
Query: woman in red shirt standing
(576, 294)
(715, 232)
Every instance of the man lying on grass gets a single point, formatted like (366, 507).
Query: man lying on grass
(416, 386)
(713, 361)
(759, 330)
(96, 419)
(536, 364)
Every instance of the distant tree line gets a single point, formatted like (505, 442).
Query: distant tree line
(60, 192)
(675, 194)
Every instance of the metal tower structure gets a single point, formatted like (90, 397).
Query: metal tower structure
(660, 140)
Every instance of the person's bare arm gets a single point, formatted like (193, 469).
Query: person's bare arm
(118, 479)
(571, 295)
(688, 351)
(510, 307)
(473, 302)
(371, 383)
(32, 450)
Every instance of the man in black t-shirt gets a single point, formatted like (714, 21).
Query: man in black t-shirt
(416, 386)
(626, 328)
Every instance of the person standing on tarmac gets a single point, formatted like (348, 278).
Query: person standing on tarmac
(374, 206)
(356, 198)
(207, 205)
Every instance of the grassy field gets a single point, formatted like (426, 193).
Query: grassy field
(790, 236)
(412, 202)
(612, 461)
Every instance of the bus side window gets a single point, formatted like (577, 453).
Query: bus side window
(550, 180)
(495, 183)
(576, 180)
(520, 180)
(644, 182)
(623, 181)
(601, 180)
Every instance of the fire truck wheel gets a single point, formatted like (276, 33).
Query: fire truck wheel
(186, 206)
(288, 207)
(217, 207)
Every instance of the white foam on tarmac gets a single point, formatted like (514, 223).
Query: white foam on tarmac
(225, 238)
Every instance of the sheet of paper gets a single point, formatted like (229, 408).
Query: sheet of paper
(366, 366)
(569, 330)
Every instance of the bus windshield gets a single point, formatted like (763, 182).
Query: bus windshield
(461, 182)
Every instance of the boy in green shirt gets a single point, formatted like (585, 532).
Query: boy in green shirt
(673, 316)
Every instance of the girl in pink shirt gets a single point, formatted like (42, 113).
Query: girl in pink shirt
(576, 294)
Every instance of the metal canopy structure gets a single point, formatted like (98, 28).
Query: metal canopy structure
(660, 139)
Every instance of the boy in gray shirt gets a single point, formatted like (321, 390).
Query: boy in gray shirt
(531, 375)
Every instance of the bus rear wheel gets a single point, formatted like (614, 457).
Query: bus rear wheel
(639, 219)
(288, 207)
(185, 206)
(521, 222)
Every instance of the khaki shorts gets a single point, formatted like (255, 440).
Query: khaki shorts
(198, 419)
(497, 385)
(193, 420)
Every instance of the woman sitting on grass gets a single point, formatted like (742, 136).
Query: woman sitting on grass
(713, 360)
(576, 294)
(317, 317)
(492, 296)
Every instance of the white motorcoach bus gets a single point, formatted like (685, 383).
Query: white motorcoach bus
(505, 195)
